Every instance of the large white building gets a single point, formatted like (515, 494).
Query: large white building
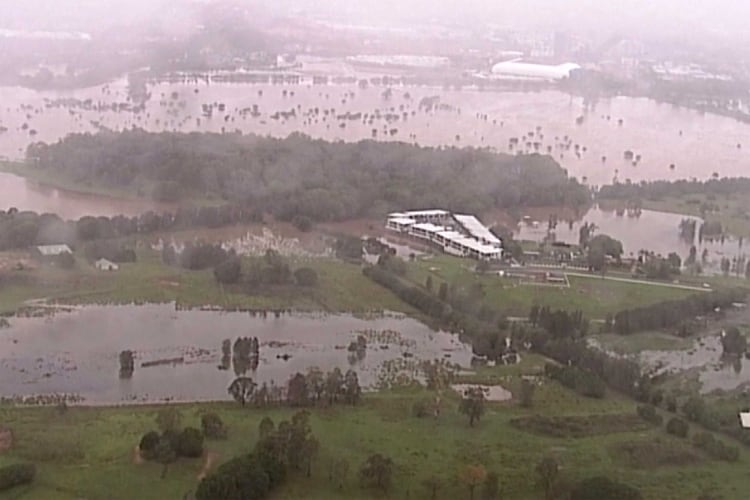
(516, 69)
(455, 234)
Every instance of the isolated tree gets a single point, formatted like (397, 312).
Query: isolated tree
(428, 283)
(165, 454)
(432, 484)
(548, 471)
(334, 385)
(352, 389)
(377, 472)
(168, 419)
(472, 476)
(127, 363)
(491, 486)
(241, 389)
(527, 393)
(443, 291)
(733, 341)
(309, 450)
(266, 427)
(189, 443)
(212, 426)
(472, 404)
(148, 444)
(339, 471)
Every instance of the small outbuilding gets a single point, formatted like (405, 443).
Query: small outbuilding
(106, 265)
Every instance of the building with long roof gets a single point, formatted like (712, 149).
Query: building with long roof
(460, 235)
(517, 69)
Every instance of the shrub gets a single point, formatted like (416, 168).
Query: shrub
(305, 276)
(715, 448)
(228, 271)
(16, 475)
(649, 414)
(421, 409)
(302, 222)
(148, 444)
(189, 443)
(677, 427)
(213, 426)
(601, 488)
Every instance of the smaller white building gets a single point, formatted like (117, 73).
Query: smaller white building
(106, 265)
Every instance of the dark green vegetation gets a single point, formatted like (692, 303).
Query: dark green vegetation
(16, 475)
(298, 176)
(676, 314)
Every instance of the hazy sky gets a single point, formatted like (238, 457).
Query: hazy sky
(636, 16)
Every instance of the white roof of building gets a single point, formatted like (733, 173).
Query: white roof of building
(425, 213)
(401, 220)
(49, 250)
(105, 262)
(429, 227)
(745, 419)
(477, 229)
(529, 70)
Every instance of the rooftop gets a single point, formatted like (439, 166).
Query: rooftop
(50, 250)
(477, 229)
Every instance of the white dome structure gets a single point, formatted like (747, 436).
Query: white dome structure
(522, 70)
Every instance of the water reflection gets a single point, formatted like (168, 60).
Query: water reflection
(182, 355)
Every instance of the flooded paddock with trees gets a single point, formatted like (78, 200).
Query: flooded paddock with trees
(178, 355)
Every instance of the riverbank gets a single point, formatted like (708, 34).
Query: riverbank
(88, 452)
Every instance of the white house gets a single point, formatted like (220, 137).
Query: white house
(106, 265)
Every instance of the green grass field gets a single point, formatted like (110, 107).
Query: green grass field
(342, 287)
(89, 452)
(594, 296)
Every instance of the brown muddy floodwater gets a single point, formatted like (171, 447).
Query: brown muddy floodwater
(650, 230)
(17, 192)
(587, 138)
(77, 352)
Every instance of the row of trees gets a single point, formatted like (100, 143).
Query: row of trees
(315, 388)
(672, 313)
(21, 229)
(656, 190)
(300, 176)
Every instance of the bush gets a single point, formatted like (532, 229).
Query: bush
(715, 448)
(16, 475)
(302, 222)
(421, 409)
(649, 414)
(601, 488)
(305, 276)
(228, 271)
(677, 427)
(148, 444)
(213, 426)
(189, 443)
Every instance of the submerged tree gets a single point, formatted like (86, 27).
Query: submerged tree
(241, 389)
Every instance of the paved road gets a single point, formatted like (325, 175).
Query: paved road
(640, 282)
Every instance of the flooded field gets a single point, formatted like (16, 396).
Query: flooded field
(23, 194)
(588, 138)
(650, 230)
(77, 352)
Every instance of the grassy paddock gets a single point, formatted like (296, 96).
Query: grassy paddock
(341, 287)
(89, 452)
(594, 296)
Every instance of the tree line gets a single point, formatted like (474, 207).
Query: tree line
(21, 229)
(300, 176)
(673, 313)
(656, 190)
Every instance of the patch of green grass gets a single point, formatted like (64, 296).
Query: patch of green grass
(342, 287)
(382, 423)
(596, 297)
(642, 341)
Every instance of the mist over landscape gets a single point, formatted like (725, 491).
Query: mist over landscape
(392, 249)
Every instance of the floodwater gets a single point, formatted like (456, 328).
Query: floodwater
(650, 230)
(705, 358)
(77, 352)
(17, 192)
(587, 138)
